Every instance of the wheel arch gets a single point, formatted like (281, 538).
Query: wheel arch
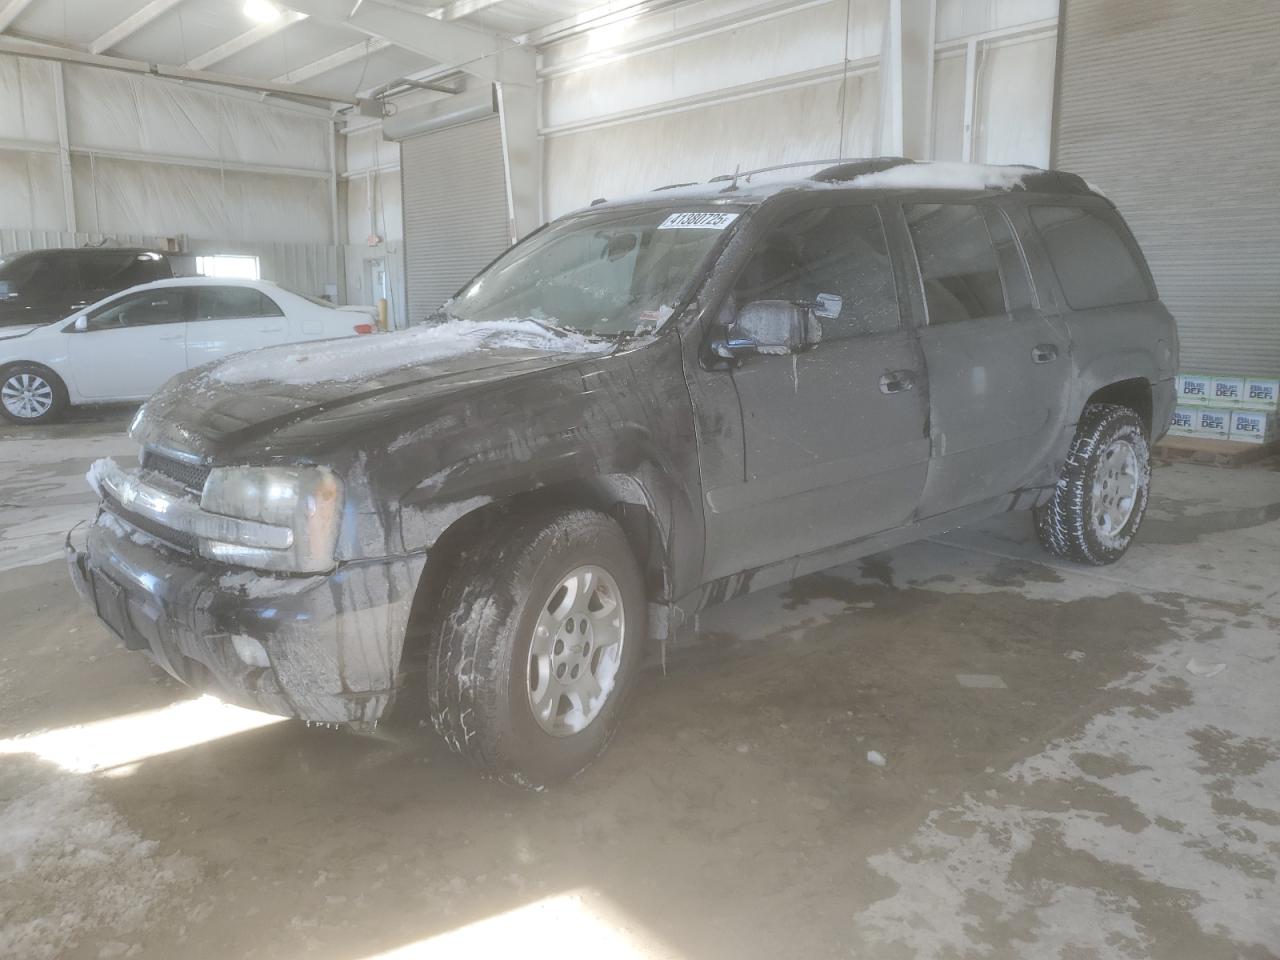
(619, 496)
(1134, 393)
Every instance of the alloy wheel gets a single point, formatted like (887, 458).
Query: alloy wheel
(576, 650)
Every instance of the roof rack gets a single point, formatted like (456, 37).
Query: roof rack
(748, 174)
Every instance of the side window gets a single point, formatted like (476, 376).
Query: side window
(233, 303)
(143, 309)
(1093, 255)
(957, 262)
(42, 275)
(838, 251)
(106, 270)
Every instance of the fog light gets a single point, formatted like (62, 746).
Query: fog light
(250, 651)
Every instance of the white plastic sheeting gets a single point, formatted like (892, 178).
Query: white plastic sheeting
(703, 88)
(966, 18)
(115, 195)
(26, 100)
(1014, 101)
(157, 157)
(114, 111)
(695, 145)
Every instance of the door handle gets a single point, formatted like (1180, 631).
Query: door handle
(172, 336)
(271, 330)
(895, 381)
(1044, 353)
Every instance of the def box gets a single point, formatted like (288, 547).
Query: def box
(1194, 388)
(1252, 426)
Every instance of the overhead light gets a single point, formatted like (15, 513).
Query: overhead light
(261, 11)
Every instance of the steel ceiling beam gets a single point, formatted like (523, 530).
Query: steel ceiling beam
(244, 41)
(132, 24)
(333, 61)
(11, 11)
(482, 54)
(44, 51)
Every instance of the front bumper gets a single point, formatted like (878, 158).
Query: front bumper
(321, 648)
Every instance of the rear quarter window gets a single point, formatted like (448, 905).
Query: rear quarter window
(1094, 257)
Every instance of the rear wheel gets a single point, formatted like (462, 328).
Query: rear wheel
(31, 394)
(539, 643)
(1101, 496)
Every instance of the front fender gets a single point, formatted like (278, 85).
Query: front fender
(616, 430)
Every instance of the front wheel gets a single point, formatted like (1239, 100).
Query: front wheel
(30, 394)
(539, 643)
(1101, 497)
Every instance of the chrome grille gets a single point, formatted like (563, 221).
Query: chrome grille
(191, 475)
(174, 538)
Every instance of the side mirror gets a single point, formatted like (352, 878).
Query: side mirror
(6, 291)
(82, 324)
(770, 326)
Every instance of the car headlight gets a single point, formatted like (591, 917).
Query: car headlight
(305, 502)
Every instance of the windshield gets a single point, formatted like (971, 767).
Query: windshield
(610, 273)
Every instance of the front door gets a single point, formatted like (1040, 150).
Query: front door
(834, 440)
(998, 366)
(131, 345)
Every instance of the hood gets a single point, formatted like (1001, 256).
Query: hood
(18, 330)
(304, 398)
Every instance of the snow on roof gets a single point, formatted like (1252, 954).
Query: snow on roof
(358, 358)
(944, 175)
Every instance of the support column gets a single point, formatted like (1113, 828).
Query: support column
(64, 148)
(916, 59)
(521, 155)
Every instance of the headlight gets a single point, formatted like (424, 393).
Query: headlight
(304, 501)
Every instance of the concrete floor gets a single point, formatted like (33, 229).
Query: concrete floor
(1076, 763)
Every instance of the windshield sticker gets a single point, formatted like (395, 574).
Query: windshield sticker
(697, 221)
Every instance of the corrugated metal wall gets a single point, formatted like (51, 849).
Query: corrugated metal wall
(1172, 108)
(455, 210)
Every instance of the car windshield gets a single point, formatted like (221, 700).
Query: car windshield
(608, 273)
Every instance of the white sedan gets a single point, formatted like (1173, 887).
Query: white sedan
(124, 347)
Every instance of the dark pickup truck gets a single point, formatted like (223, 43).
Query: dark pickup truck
(647, 407)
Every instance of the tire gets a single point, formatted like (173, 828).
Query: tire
(1101, 496)
(31, 394)
(506, 710)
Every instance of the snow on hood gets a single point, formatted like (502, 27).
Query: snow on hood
(945, 175)
(359, 358)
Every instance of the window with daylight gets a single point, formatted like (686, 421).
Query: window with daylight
(229, 266)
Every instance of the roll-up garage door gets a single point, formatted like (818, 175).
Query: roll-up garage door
(455, 210)
(1171, 108)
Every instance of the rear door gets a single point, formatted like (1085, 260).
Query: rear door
(999, 366)
(835, 446)
(231, 319)
(131, 345)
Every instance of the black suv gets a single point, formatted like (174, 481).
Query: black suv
(705, 390)
(46, 285)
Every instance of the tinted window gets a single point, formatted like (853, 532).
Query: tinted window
(957, 262)
(837, 251)
(116, 270)
(39, 275)
(141, 309)
(232, 303)
(1093, 255)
